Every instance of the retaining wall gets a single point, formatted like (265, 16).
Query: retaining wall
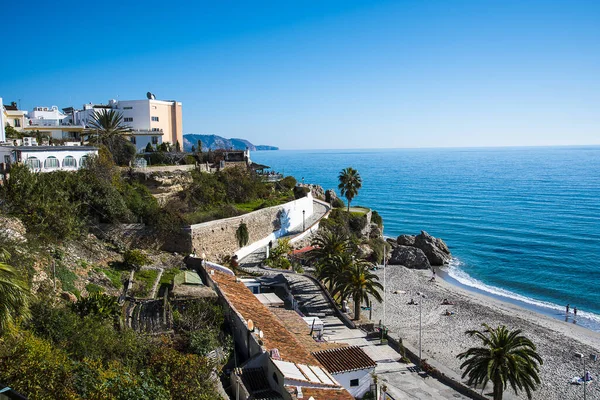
(217, 238)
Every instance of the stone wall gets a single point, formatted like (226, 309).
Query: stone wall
(217, 238)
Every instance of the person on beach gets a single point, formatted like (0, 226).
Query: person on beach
(575, 311)
(568, 308)
(432, 277)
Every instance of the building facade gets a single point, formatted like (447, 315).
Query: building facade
(46, 158)
(151, 121)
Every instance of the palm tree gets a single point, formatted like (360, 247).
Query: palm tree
(329, 243)
(359, 283)
(331, 271)
(350, 183)
(108, 124)
(506, 357)
(13, 293)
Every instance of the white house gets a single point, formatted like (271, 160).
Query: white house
(46, 158)
(350, 366)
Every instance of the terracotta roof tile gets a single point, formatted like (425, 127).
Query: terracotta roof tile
(276, 335)
(324, 394)
(296, 325)
(344, 359)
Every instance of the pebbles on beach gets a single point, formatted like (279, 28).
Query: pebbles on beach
(443, 337)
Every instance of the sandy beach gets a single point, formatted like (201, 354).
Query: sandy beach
(443, 336)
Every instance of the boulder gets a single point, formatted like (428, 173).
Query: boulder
(435, 249)
(12, 229)
(69, 297)
(330, 195)
(410, 257)
(375, 231)
(406, 240)
(364, 251)
(317, 190)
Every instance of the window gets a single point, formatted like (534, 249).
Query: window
(127, 108)
(6, 159)
(353, 382)
(83, 161)
(33, 163)
(155, 129)
(133, 140)
(17, 123)
(155, 119)
(154, 140)
(69, 162)
(51, 162)
(275, 378)
(128, 119)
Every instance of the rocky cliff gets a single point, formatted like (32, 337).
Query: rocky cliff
(214, 142)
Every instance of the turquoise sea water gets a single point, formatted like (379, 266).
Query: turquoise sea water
(522, 223)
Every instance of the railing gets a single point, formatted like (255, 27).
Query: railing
(51, 122)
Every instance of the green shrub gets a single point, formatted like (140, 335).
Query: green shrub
(135, 259)
(338, 203)
(93, 288)
(66, 277)
(376, 219)
(289, 182)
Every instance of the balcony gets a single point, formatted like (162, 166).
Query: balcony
(40, 122)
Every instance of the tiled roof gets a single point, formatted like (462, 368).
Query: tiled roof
(276, 336)
(345, 359)
(296, 325)
(321, 394)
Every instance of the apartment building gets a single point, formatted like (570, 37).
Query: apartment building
(151, 121)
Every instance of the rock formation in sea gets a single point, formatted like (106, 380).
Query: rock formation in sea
(410, 257)
(435, 249)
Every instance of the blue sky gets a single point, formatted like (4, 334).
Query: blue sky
(323, 74)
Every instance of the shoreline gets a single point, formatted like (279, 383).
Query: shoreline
(551, 310)
(443, 336)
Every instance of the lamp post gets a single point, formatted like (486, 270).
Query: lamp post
(303, 220)
(421, 297)
(593, 357)
(384, 293)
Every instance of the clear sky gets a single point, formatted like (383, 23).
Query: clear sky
(322, 74)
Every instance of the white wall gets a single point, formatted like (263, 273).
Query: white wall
(26, 152)
(52, 113)
(2, 124)
(364, 381)
(293, 210)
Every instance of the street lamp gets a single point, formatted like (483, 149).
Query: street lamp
(593, 357)
(421, 297)
(303, 220)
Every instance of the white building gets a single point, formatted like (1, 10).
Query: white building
(45, 158)
(350, 366)
(151, 121)
(10, 115)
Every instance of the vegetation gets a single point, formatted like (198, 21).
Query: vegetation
(278, 256)
(13, 293)
(64, 354)
(63, 205)
(507, 357)
(107, 128)
(341, 271)
(350, 183)
(241, 234)
(227, 193)
(143, 282)
(135, 259)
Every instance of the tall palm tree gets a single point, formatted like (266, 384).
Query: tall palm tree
(350, 183)
(13, 293)
(506, 357)
(359, 282)
(331, 271)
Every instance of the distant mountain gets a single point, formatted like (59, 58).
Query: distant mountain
(214, 142)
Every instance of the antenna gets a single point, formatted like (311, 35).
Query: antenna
(149, 96)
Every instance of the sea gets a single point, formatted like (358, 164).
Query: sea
(523, 223)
